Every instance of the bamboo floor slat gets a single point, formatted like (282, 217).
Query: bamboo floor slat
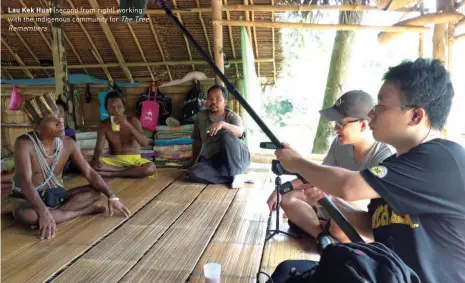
(238, 243)
(177, 252)
(113, 257)
(282, 247)
(29, 259)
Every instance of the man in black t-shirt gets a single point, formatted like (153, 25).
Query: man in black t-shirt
(418, 195)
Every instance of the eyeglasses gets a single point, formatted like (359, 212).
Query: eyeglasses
(343, 124)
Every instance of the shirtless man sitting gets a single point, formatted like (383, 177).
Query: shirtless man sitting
(40, 157)
(125, 137)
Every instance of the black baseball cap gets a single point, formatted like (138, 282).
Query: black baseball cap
(355, 103)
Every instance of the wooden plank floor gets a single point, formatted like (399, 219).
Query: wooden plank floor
(25, 258)
(238, 243)
(176, 227)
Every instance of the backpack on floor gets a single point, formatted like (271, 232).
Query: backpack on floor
(193, 103)
(357, 263)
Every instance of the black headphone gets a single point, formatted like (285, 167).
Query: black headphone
(415, 117)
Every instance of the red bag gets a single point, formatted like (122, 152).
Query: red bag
(150, 110)
(15, 101)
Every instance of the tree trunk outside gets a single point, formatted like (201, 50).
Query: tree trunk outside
(337, 71)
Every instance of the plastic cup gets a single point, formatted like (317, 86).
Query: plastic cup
(115, 127)
(212, 272)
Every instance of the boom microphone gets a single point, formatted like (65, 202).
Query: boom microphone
(333, 211)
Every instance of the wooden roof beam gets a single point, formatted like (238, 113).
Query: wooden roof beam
(111, 39)
(205, 29)
(231, 38)
(17, 58)
(218, 52)
(94, 48)
(29, 50)
(185, 38)
(132, 64)
(231, 8)
(152, 28)
(45, 4)
(255, 40)
(39, 28)
(274, 45)
(134, 36)
(8, 74)
(266, 24)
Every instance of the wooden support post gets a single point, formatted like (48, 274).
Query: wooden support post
(63, 89)
(217, 38)
(111, 39)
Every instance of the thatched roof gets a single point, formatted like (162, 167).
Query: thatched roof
(87, 44)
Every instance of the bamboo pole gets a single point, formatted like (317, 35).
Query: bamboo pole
(60, 63)
(38, 28)
(129, 65)
(111, 39)
(231, 39)
(319, 26)
(204, 30)
(440, 35)
(230, 8)
(29, 50)
(185, 38)
(255, 40)
(459, 37)
(152, 28)
(218, 38)
(274, 45)
(421, 36)
(460, 23)
(17, 58)
(91, 42)
(136, 41)
(247, 18)
(450, 41)
(8, 74)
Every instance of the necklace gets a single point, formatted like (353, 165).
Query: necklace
(41, 146)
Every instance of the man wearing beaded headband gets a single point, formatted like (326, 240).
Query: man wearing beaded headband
(40, 156)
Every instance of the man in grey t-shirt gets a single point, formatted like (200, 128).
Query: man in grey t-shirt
(354, 149)
(219, 131)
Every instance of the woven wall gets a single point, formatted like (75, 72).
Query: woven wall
(91, 113)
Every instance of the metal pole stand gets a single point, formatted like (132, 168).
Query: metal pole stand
(272, 233)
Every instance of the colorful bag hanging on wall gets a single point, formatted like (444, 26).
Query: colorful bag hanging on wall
(15, 101)
(150, 110)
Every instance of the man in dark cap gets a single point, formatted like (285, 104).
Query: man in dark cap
(354, 148)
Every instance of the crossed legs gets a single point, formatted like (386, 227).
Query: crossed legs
(79, 203)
